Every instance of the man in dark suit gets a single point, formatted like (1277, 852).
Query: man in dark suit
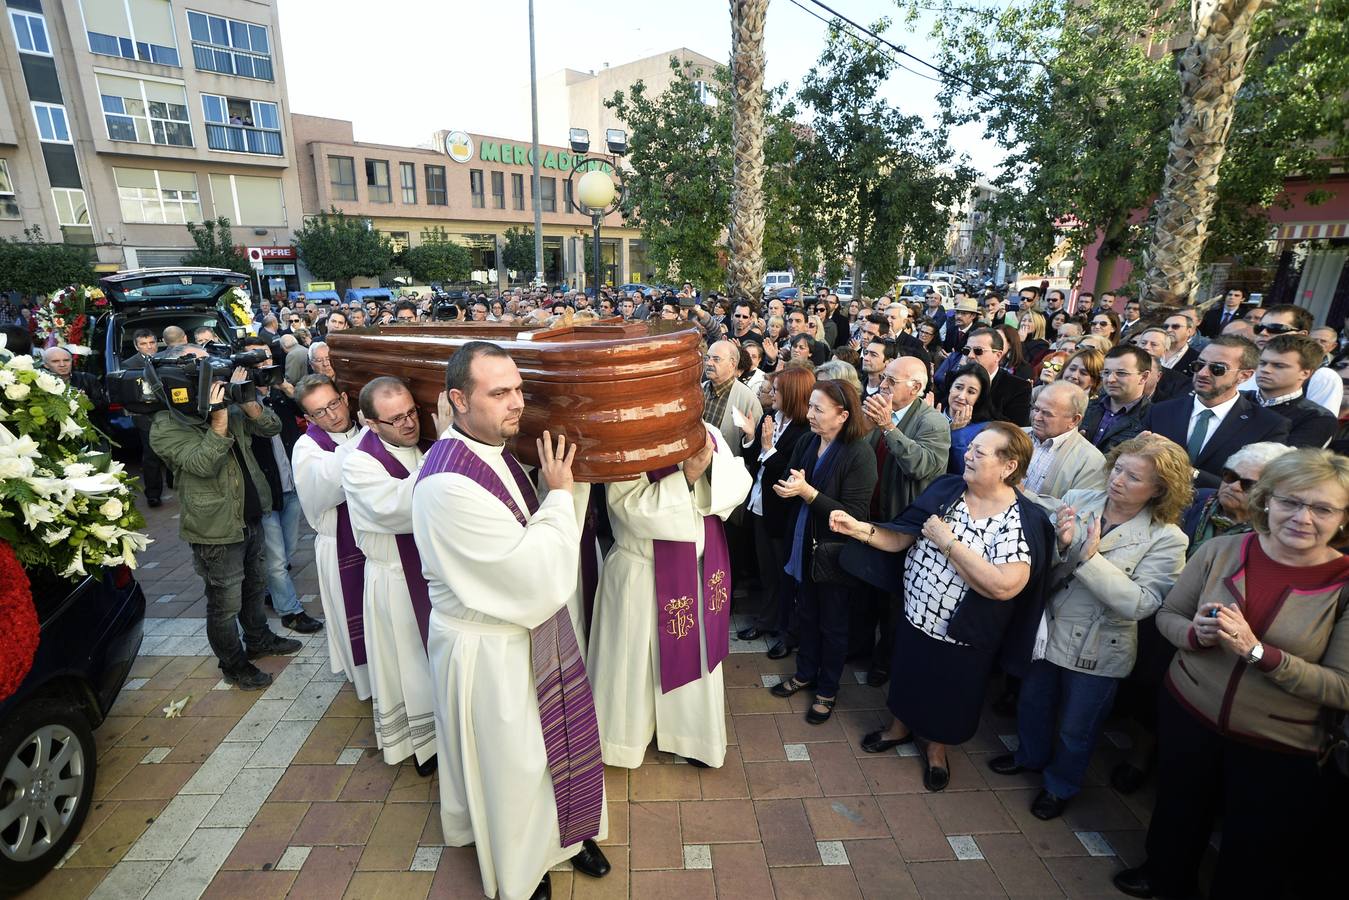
(1010, 395)
(959, 324)
(1286, 363)
(1218, 419)
(1182, 355)
(1218, 317)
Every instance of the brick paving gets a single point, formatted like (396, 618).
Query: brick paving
(281, 793)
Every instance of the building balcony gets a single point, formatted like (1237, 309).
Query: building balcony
(243, 139)
(232, 62)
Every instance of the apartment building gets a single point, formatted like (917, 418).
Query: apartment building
(121, 120)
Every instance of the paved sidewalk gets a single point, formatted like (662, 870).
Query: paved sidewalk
(281, 793)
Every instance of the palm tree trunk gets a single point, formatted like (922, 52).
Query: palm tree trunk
(744, 273)
(1212, 69)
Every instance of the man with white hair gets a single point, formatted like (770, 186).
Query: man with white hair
(297, 359)
(319, 359)
(913, 444)
(1063, 460)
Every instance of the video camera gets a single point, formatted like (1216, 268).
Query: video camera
(183, 383)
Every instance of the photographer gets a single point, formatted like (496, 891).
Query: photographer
(280, 522)
(223, 496)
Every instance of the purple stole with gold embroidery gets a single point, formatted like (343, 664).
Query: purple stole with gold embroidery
(350, 562)
(677, 600)
(408, 556)
(571, 735)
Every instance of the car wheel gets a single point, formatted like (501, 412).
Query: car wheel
(47, 766)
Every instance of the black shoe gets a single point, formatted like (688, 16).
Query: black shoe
(874, 743)
(1048, 806)
(790, 686)
(1006, 765)
(1135, 883)
(816, 718)
(154, 502)
(1127, 778)
(935, 778)
(590, 861)
(752, 633)
(248, 677)
(696, 763)
(302, 622)
(779, 651)
(426, 769)
(878, 677)
(274, 645)
(544, 891)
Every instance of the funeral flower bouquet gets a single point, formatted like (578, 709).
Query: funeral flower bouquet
(65, 317)
(62, 505)
(236, 303)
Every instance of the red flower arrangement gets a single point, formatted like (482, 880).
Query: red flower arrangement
(19, 628)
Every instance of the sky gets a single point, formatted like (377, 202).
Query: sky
(401, 69)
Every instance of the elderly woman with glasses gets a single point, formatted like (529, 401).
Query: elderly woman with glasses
(1262, 642)
(977, 556)
(1225, 510)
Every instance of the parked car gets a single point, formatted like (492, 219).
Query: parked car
(155, 299)
(788, 294)
(91, 633)
(918, 290)
(773, 282)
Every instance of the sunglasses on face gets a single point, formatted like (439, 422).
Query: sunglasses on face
(1273, 328)
(1101, 324)
(976, 351)
(1230, 477)
(1218, 369)
(1054, 367)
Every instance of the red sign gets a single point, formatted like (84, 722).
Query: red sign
(274, 252)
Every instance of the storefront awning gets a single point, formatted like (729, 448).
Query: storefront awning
(1311, 231)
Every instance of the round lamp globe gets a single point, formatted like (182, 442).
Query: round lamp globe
(595, 190)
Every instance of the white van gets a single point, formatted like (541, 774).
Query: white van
(776, 281)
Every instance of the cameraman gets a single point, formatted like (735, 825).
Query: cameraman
(223, 496)
(281, 521)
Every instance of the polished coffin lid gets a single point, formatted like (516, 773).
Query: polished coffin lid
(629, 394)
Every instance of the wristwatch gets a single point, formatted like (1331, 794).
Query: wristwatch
(1257, 653)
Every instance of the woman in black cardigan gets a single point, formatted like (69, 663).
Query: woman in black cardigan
(768, 447)
(844, 467)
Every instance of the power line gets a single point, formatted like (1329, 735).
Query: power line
(874, 44)
(898, 49)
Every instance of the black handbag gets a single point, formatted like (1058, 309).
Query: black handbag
(825, 567)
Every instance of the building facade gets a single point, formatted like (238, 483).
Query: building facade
(122, 120)
(475, 187)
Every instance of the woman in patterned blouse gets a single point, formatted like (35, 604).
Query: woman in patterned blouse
(974, 553)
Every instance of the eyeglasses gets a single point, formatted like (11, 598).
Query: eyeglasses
(331, 409)
(1273, 328)
(743, 316)
(399, 419)
(1176, 326)
(1230, 477)
(821, 309)
(1289, 506)
(1117, 373)
(1053, 367)
(1101, 323)
(1217, 368)
(977, 351)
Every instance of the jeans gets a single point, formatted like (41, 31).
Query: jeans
(235, 582)
(822, 617)
(1058, 720)
(281, 530)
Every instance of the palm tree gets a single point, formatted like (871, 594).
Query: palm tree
(1211, 69)
(745, 270)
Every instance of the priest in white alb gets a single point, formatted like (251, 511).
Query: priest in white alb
(521, 775)
(662, 616)
(378, 478)
(316, 462)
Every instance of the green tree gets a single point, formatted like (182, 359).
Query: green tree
(518, 250)
(677, 177)
(32, 265)
(437, 258)
(215, 247)
(1082, 98)
(337, 247)
(876, 184)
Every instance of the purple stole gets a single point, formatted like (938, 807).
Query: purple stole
(571, 735)
(350, 562)
(407, 545)
(677, 596)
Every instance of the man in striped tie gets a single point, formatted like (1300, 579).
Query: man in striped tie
(521, 776)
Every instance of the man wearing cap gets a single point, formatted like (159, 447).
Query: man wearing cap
(959, 325)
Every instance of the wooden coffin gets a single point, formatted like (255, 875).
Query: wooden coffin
(628, 394)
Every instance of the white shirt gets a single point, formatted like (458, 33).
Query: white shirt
(1219, 413)
(780, 423)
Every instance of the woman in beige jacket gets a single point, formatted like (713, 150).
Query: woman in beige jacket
(1120, 551)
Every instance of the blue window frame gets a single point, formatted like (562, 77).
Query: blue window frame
(230, 46)
(30, 32)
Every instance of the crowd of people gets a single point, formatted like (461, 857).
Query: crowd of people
(1114, 510)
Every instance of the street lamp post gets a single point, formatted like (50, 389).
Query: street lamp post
(596, 191)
